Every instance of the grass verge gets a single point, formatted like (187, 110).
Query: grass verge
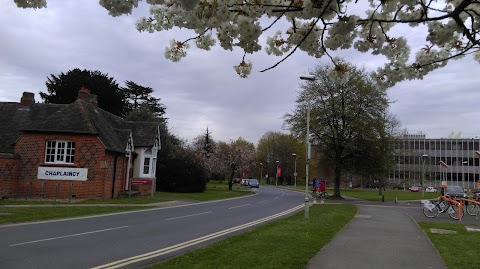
(215, 191)
(372, 195)
(457, 250)
(287, 243)
(24, 214)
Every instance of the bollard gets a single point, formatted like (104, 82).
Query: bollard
(383, 198)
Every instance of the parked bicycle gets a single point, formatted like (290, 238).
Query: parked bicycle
(444, 204)
(473, 208)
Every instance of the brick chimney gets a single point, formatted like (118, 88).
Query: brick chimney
(83, 93)
(27, 99)
(92, 99)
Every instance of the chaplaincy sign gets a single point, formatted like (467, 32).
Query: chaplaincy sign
(62, 173)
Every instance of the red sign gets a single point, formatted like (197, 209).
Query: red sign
(142, 181)
(279, 172)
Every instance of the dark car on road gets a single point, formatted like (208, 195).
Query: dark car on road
(455, 191)
(253, 183)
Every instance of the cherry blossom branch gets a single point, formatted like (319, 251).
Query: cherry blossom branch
(279, 17)
(302, 40)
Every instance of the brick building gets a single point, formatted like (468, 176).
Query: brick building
(73, 150)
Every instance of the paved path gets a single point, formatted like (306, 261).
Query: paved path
(379, 237)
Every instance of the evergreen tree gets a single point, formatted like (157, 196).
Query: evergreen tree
(63, 89)
(138, 96)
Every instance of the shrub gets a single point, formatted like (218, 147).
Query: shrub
(183, 172)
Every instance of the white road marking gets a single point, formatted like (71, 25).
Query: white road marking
(238, 206)
(276, 197)
(163, 251)
(186, 216)
(65, 236)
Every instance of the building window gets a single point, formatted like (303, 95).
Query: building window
(60, 152)
(146, 166)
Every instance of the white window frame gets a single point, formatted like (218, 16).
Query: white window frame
(60, 151)
(149, 165)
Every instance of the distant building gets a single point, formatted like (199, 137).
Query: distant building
(73, 150)
(454, 160)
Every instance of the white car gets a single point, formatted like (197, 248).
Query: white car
(430, 189)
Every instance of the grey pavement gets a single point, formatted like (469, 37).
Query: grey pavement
(379, 237)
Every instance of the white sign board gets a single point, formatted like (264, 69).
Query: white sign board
(62, 173)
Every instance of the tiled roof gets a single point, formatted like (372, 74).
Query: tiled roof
(79, 117)
(142, 132)
(14, 117)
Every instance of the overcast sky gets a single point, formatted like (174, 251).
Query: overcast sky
(203, 90)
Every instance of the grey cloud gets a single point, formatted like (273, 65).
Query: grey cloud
(203, 90)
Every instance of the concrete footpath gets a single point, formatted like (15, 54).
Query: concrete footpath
(379, 237)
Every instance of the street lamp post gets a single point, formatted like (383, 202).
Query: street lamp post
(307, 164)
(295, 173)
(424, 157)
(276, 173)
(307, 141)
(463, 176)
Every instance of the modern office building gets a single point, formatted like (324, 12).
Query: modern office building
(451, 160)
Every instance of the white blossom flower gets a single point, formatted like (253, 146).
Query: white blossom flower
(243, 69)
(241, 24)
(205, 42)
(176, 51)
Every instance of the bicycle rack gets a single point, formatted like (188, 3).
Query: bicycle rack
(471, 201)
(455, 202)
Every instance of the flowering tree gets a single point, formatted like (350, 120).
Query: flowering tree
(317, 27)
(236, 155)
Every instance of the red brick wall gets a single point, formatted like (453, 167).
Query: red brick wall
(89, 153)
(9, 172)
(119, 174)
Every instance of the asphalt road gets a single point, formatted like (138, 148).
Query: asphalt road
(140, 238)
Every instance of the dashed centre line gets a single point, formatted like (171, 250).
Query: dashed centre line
(65, 236)
(186, 216)
(238, 206)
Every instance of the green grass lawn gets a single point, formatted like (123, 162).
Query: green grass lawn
(287, 243)
(23, 214)
(372, 195)
(122, 200)
(215, 191)
(457, 250)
